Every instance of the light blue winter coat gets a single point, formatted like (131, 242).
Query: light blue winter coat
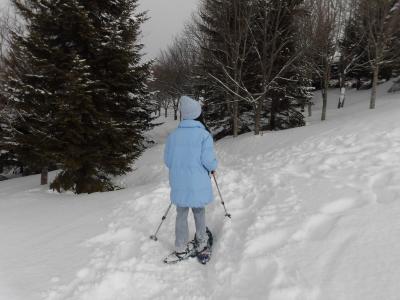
(189, 156)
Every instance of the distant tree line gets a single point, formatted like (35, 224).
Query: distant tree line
(255, 63)
(75, 94)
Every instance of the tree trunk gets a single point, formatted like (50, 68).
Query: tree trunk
(325, 97)
(309, 109)
(257, 118)
(175, 114)
(342, 96)
(374, 86)
(324, 102)
(44, 176)
(235, 120)
(272, 119)
(166, 112)
(327, 75)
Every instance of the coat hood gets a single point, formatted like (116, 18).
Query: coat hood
(190, 124)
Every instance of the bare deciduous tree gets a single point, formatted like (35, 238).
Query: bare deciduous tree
(230, 53)
(274, 45)
(256, 36)
(381, 23)
(5, 109)
(322, 31)
(173, 72)
(352, 48)
(7, 23)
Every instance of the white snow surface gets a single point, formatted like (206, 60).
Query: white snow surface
(315, 216)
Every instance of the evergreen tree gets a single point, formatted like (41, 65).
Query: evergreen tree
(82, 99)
(28, 136)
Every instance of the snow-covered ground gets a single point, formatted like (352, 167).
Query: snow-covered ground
(315, 216)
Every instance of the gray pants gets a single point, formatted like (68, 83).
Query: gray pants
(182, 227)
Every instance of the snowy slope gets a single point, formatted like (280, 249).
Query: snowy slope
(315, 217)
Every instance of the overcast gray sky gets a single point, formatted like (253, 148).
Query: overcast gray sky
(167, 18)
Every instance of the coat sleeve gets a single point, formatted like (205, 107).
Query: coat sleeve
(167, 158)
(208, 158)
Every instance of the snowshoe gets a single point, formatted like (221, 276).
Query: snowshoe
(175, 257)
(204, 255)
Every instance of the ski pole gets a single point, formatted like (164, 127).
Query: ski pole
(154, 236)
(220, 195)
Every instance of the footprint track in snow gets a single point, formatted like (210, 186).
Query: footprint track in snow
(386, 186)
(262, 245)
(319, 225)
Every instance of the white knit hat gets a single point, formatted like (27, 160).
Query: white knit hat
(190, 108)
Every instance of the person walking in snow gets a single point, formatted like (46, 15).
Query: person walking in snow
(190, 157)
